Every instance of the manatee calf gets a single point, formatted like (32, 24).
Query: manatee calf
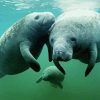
(22, 43)
(76, 35)
(53, 75)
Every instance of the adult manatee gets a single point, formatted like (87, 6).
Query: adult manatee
(22, 43)
(76, 35)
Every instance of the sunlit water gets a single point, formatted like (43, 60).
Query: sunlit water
(23, 86)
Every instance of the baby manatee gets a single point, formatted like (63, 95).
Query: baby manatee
(53, 75)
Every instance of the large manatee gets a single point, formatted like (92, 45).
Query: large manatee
(22, 43)
(76, 35)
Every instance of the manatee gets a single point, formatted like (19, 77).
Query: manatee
(76, 35)
(21, 44)
(53, 75)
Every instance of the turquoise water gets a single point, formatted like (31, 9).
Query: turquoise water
(23, 86)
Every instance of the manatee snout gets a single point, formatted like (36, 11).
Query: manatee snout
(62, 52)
(60, 55)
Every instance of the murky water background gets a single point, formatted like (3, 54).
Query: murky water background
(22, 86)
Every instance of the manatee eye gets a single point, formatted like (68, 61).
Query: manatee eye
(37, 17)
(52, 40)
(73, 39)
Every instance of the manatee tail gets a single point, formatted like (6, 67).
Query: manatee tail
(39, 80)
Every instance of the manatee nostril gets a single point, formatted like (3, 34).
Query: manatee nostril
(59, 55)
(59, 52)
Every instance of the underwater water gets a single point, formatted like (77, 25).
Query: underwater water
(23, 86)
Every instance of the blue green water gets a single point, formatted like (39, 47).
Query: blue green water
(23, 86)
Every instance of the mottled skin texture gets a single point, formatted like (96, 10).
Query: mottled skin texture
(22, 43)
(53, 75)
(76, 35)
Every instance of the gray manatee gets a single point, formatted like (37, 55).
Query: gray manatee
(76, 35)
(53, 75)
(22, 43)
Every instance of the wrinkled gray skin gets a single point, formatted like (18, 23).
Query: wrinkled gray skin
(53, 75)
(22, 43)
(76, 35)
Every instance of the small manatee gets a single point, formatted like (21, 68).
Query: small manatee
(53, 75)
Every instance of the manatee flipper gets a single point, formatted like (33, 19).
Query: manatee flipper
(59, 67)
(39, 80)
(49, 51)
(92, 61)
(28, 57)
